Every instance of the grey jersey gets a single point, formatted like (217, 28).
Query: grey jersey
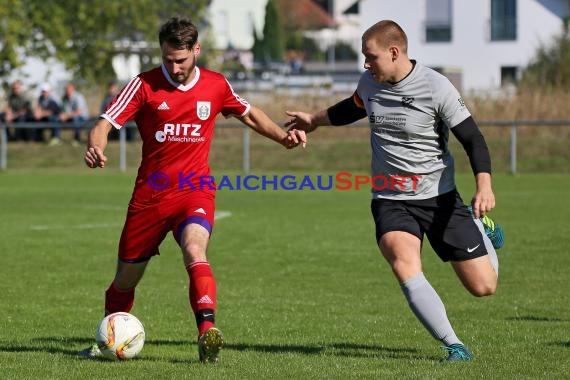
(410, 124)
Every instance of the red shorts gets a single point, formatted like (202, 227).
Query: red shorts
(146, 226)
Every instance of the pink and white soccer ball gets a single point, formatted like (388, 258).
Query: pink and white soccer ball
(120, 336)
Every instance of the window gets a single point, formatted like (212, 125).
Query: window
(503, 20)
(438, 20)
(509, 75)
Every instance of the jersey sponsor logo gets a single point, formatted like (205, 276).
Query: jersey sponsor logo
(200, 210)
(180, 132)
(160, 136)
(461, 102)
(203, 110)
(376, 119)
(396, 121)
(163, 107)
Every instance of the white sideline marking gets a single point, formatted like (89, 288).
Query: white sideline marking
(88, 226)
(218, 215)
(85, 226)
(102, 207)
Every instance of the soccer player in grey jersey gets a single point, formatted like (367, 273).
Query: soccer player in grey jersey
(411, 110)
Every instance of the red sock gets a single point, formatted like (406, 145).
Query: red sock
(202, 294)
(118, 299)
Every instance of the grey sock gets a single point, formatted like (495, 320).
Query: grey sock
(428, 308)
(489, 246)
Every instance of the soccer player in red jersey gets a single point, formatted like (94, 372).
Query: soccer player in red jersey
(174, 106)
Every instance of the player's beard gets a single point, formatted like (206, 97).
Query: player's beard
(180, 77)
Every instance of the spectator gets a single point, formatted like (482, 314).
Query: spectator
(48, 109)
(296, 59)
(18, 109)
(74, 110)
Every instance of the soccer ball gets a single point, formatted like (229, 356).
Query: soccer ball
(120, 336)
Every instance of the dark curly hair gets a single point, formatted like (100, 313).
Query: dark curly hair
(178, 32)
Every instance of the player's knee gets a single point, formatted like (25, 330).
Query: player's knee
(483, 288)
(194, 250)
(405, 269)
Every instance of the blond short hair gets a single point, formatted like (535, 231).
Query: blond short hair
(387, 33)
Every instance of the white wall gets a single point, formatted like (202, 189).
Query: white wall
(232, 22)
(471, 50)
(36, 71)
(348, 26)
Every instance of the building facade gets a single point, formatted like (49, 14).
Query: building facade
(481, 44)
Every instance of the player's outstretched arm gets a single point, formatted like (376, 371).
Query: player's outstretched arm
(342, 113)
(257, 120)
(94, 156)
(307, 122)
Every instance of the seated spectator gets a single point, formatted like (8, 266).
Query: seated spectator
(112, 91)
(18, 109)
(48, 109)
(74, 110)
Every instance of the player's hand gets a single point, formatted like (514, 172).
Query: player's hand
(484, 200)
(94, 157)
(294, 138)
(300, 120)
(482, 203)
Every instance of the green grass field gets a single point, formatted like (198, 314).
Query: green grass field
(303, 291)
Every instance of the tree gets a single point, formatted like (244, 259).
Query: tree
(81, 33)
(257, 48)
(271, 47)
(296, 41)
(343, 51)
(551, 65)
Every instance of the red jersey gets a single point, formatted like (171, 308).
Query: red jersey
(176, 124)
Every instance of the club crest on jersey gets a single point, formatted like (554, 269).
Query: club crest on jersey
(407, 101)
(203, 110)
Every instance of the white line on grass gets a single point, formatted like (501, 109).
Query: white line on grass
(218, 215)
(102, 207)
(88, 226)
(85, 226)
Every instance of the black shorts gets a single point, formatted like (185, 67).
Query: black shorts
(445, 220)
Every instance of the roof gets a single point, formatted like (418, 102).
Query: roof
(354, 9)
(303, 15)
